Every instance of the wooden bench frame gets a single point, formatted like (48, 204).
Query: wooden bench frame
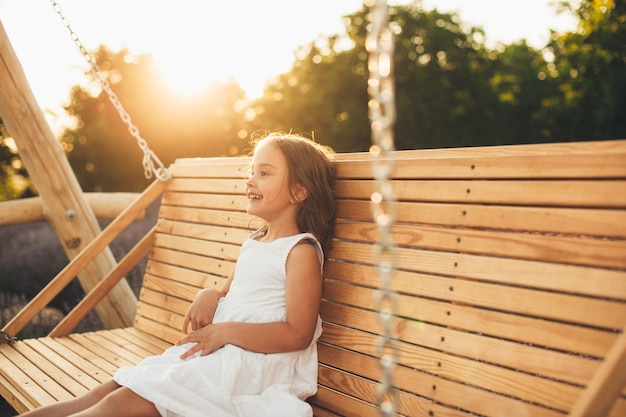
(511, 282)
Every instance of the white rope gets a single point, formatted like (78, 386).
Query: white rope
(382, 114)
(152, 165)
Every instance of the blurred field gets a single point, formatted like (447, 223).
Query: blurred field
(31, 255)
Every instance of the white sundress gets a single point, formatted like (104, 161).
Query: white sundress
(232, 381)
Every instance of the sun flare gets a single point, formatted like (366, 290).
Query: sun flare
(187, 78)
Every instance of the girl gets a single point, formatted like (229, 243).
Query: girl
(250, 348)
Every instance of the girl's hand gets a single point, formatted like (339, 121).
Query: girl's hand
(207, 340)
(200, 313)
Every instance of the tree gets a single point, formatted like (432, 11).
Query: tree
(589, 68)
(104, 155)
(323, 95)
(442, 82)
(442, 75)
(522, 91)
(11, 169)
(451, 90)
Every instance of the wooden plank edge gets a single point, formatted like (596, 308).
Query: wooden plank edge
(14, 397)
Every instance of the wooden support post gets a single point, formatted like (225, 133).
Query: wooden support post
(67, 210)
(31, 210)
(606, 384)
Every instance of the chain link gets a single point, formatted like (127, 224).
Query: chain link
(149, 157)
(379, 44)
(7, 338)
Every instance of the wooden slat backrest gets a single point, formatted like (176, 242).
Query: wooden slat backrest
(511, 274)
(202, 222)
(511, 280)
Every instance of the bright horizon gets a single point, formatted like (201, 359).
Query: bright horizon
(256, 47)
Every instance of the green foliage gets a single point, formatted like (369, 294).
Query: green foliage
(451, 90)
(442, 82)
(442, 76)
(11, 169)
(322, 95)
(589, 68)
(103, 153)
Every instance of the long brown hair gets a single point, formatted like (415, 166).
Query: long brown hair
(309, 165)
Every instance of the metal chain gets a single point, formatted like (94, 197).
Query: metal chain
(7, 338)
(379, 44)
(149, 157)
(382, 114)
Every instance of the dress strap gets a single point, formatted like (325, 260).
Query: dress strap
(311, 239)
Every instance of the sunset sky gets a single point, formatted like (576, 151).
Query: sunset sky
(198, 41)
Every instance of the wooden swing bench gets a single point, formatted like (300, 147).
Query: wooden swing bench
(511, 282)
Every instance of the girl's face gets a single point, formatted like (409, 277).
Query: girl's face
(267, 188)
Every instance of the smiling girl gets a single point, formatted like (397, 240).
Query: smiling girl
(250, 348)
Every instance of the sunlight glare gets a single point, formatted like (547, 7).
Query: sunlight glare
(194, 52)
(208, 46)
(185, 77)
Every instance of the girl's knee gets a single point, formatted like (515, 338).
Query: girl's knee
(105, 389)
(124, 402)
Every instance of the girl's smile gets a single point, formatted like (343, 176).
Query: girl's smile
(267, 188)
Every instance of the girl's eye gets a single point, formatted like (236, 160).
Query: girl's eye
(251, 173)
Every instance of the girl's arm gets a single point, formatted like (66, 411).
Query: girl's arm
(304, 291)
(202, 309)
